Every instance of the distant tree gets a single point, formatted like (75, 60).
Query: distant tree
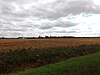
(46, 36)
(3, 37)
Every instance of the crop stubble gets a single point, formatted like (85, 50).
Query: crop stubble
(17, 44)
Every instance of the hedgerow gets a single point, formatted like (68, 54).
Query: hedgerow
(14, 60)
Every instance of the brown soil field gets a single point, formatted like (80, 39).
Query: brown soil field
(17, 44)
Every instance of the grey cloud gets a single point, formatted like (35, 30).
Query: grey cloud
(26, 26)
(8, 32)
(71, 31)
(17, 1)
(7, 9)
(65, 24)
(10, 19)
(14, 21)
(62, 31)
(5, 23)
(61, 8)
(6, 29)
(57, 24)
(46, 27)
(16, 34)
(11, 34)
(57, 9)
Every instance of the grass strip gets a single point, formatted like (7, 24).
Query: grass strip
(83, 65)
(18, 60)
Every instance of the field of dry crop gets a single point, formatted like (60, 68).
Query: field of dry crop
(21, 54)
(6, 44)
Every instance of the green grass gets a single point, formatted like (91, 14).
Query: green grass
(83, 65)
(18, 60)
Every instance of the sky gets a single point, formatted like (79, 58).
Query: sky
(32, 18)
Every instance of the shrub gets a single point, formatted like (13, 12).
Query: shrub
(14, 60)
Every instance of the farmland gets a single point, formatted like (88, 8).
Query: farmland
(6, 44)
(24, 54)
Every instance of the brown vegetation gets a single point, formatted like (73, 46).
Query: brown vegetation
(6, 44)
(24, 59)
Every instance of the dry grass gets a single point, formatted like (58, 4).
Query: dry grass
(6, 44)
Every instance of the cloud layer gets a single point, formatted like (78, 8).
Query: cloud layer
(45, 17)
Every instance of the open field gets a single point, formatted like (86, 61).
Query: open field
(6, 44)
(24, 54)
(84, 65)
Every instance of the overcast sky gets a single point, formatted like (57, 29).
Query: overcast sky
(49, 17)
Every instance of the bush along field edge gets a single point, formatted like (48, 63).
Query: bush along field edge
(20, 60)
(83, 65)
